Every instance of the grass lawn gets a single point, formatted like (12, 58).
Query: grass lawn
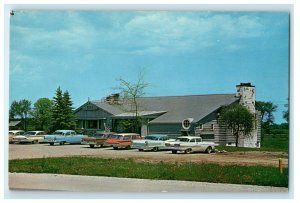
(270, 142)
(90, 166)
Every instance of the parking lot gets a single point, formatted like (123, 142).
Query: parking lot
(27, 151)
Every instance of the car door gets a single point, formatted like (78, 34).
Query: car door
(201, 147)
(193, 145)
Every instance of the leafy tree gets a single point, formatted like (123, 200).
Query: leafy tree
(42, 113)
(130, 92)
(267, 109)
(267, 118)
(22, 109)
(62, 116)
(286, 113)
(237, 118)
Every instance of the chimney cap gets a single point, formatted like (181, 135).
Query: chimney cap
(248, 84)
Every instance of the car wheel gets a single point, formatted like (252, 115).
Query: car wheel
(128, 147)
(51, 143)
(115, 147)
(101, 145)
(141, 150)
(92, 146)
(61, 143)
(174, 151)
(208, 150)
(187, 151)
(155, 149)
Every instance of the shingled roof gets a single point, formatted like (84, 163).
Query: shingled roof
(176, 108)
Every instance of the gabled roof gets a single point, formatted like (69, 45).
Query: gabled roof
(172, 109)
(179, 108)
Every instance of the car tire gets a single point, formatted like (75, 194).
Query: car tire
(115, 148)
(62, 143)
(141, 150)
(92, 146)
(128, 147)
(188, 151)
(208, 150)
(174, 151)
(51, 143)
(155, 149)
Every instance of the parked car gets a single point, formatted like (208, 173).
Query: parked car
(30, 137)
(13, 133)
(189, 144)
(64, 136)
(97, 139)
(152, 142)
(122, 140)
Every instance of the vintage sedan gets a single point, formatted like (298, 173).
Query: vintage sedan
(152, 142)
(188, 144)
(30, 137)
(122, 140)
(64, 136)
(97, 139)
(13, 133)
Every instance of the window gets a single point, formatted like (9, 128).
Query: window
(212, 126)
(186, 124)
(198, 140)
(201, 126)
(193, 140)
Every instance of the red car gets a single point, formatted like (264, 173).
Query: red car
(122, 140)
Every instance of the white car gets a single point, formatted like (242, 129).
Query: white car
(152, 142)
(188, 144)
(30, 137)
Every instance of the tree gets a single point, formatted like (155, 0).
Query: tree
(267, 118)
(286, 113)
(42, 113)
(130, 92)
(237, 118)
(69, 117)
(62, 115)
(267, 109)
(22, 109)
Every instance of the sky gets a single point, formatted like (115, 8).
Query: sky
(180, 53)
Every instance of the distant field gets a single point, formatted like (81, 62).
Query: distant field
(270, 142)
(276, 141)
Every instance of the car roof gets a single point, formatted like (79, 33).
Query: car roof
(64, 131)
(36, 131)
(189, 137)
(157, 135)
(14, 131)
(124, 134)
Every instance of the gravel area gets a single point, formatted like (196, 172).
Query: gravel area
(26, 151)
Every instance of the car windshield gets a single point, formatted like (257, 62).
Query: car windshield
(151, 138)
(182, 139)
(29, 133)
(58, 133)
(115, 136)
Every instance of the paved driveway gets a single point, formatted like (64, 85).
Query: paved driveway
(76, 183)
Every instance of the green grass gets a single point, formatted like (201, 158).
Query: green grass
(253, 175)
(270, 142)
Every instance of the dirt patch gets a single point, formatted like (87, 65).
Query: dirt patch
(26, 151)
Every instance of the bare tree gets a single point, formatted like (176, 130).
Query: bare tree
(130, 92)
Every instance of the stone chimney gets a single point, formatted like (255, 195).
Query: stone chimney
(113, 99)
(246, 93)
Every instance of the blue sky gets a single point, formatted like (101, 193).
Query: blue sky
(181, 53)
